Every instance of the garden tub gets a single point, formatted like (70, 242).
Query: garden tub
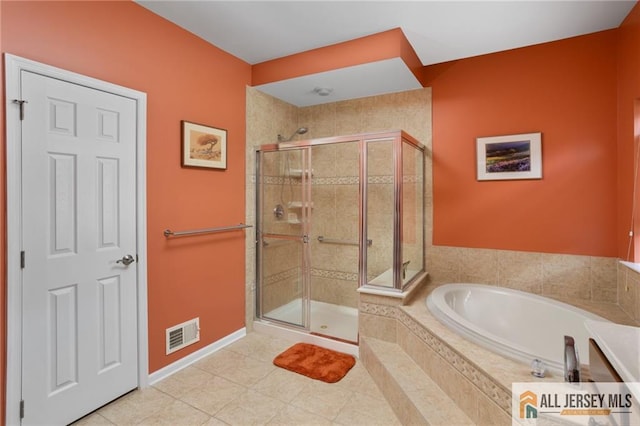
(519, 325)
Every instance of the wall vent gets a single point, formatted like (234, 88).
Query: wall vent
(183, 335)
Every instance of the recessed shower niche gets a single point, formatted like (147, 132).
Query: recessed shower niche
(335, 215)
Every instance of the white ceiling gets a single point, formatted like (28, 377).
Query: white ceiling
(439, 31)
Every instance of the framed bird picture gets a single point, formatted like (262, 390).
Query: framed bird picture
(203, 146)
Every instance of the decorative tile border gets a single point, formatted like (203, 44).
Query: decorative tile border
(279, 180)
(496, 392)
(380, 310)
(386, 179)
(336, 180)
(336, 275)
(411, 179)
(292, 273)
(281, 276)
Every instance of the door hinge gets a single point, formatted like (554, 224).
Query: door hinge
(22, 261)
(21, 103)
(22, 409)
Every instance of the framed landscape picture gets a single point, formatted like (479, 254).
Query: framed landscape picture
(203, 146)
(509, 157)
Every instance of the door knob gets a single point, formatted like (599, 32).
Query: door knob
(126, 260)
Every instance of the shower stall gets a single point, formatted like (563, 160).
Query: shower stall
(336, 216)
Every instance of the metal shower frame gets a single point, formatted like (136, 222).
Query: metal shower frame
(397, 137)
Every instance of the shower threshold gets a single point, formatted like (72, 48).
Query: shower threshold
(327, 320)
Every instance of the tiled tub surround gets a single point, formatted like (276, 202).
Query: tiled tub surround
(573, 277)
(629, 291)
(478, 380)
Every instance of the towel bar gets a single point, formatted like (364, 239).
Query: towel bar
(169, 233)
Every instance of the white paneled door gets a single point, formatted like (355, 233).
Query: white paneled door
(79, 313)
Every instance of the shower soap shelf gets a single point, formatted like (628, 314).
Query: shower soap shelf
(293, 218)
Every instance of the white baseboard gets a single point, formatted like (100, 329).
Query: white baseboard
(173, 368)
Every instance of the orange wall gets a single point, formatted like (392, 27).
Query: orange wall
(566, 90)
(628, 93)
(185, 79)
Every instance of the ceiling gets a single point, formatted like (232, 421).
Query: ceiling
(439, 31)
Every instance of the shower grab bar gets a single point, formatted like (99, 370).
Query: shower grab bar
(169, 233)
(334, 241)
(276, 243)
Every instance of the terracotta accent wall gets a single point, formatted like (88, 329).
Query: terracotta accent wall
(564, 89)
(628, 50)
(184, 78)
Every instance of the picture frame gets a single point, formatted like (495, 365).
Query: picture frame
(509, 157)
(203, 146)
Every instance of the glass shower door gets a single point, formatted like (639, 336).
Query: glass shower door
(282, 250)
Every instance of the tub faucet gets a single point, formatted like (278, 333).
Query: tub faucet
(571, 361)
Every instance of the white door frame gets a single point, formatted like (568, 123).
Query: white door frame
(14, 65)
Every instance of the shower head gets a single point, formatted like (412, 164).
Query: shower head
(299, 131)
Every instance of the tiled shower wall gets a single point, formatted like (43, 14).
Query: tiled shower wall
(266, 118)
(334, 193)
(566, 276)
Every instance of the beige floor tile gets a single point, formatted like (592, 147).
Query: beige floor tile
(282, 384)
(215, 422)
(135, 406)
(177, 413)
(213, 395)
(183, 381)
(250, 408)
(236, 367)
(219, 361)
(323, 399)
(93, 419)
(295, 416)
(239, 385)
(259, 346)
(366, 410)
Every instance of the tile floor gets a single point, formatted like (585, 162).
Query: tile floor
(239, 385)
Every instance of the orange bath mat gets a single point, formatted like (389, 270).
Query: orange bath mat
(315, 362)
